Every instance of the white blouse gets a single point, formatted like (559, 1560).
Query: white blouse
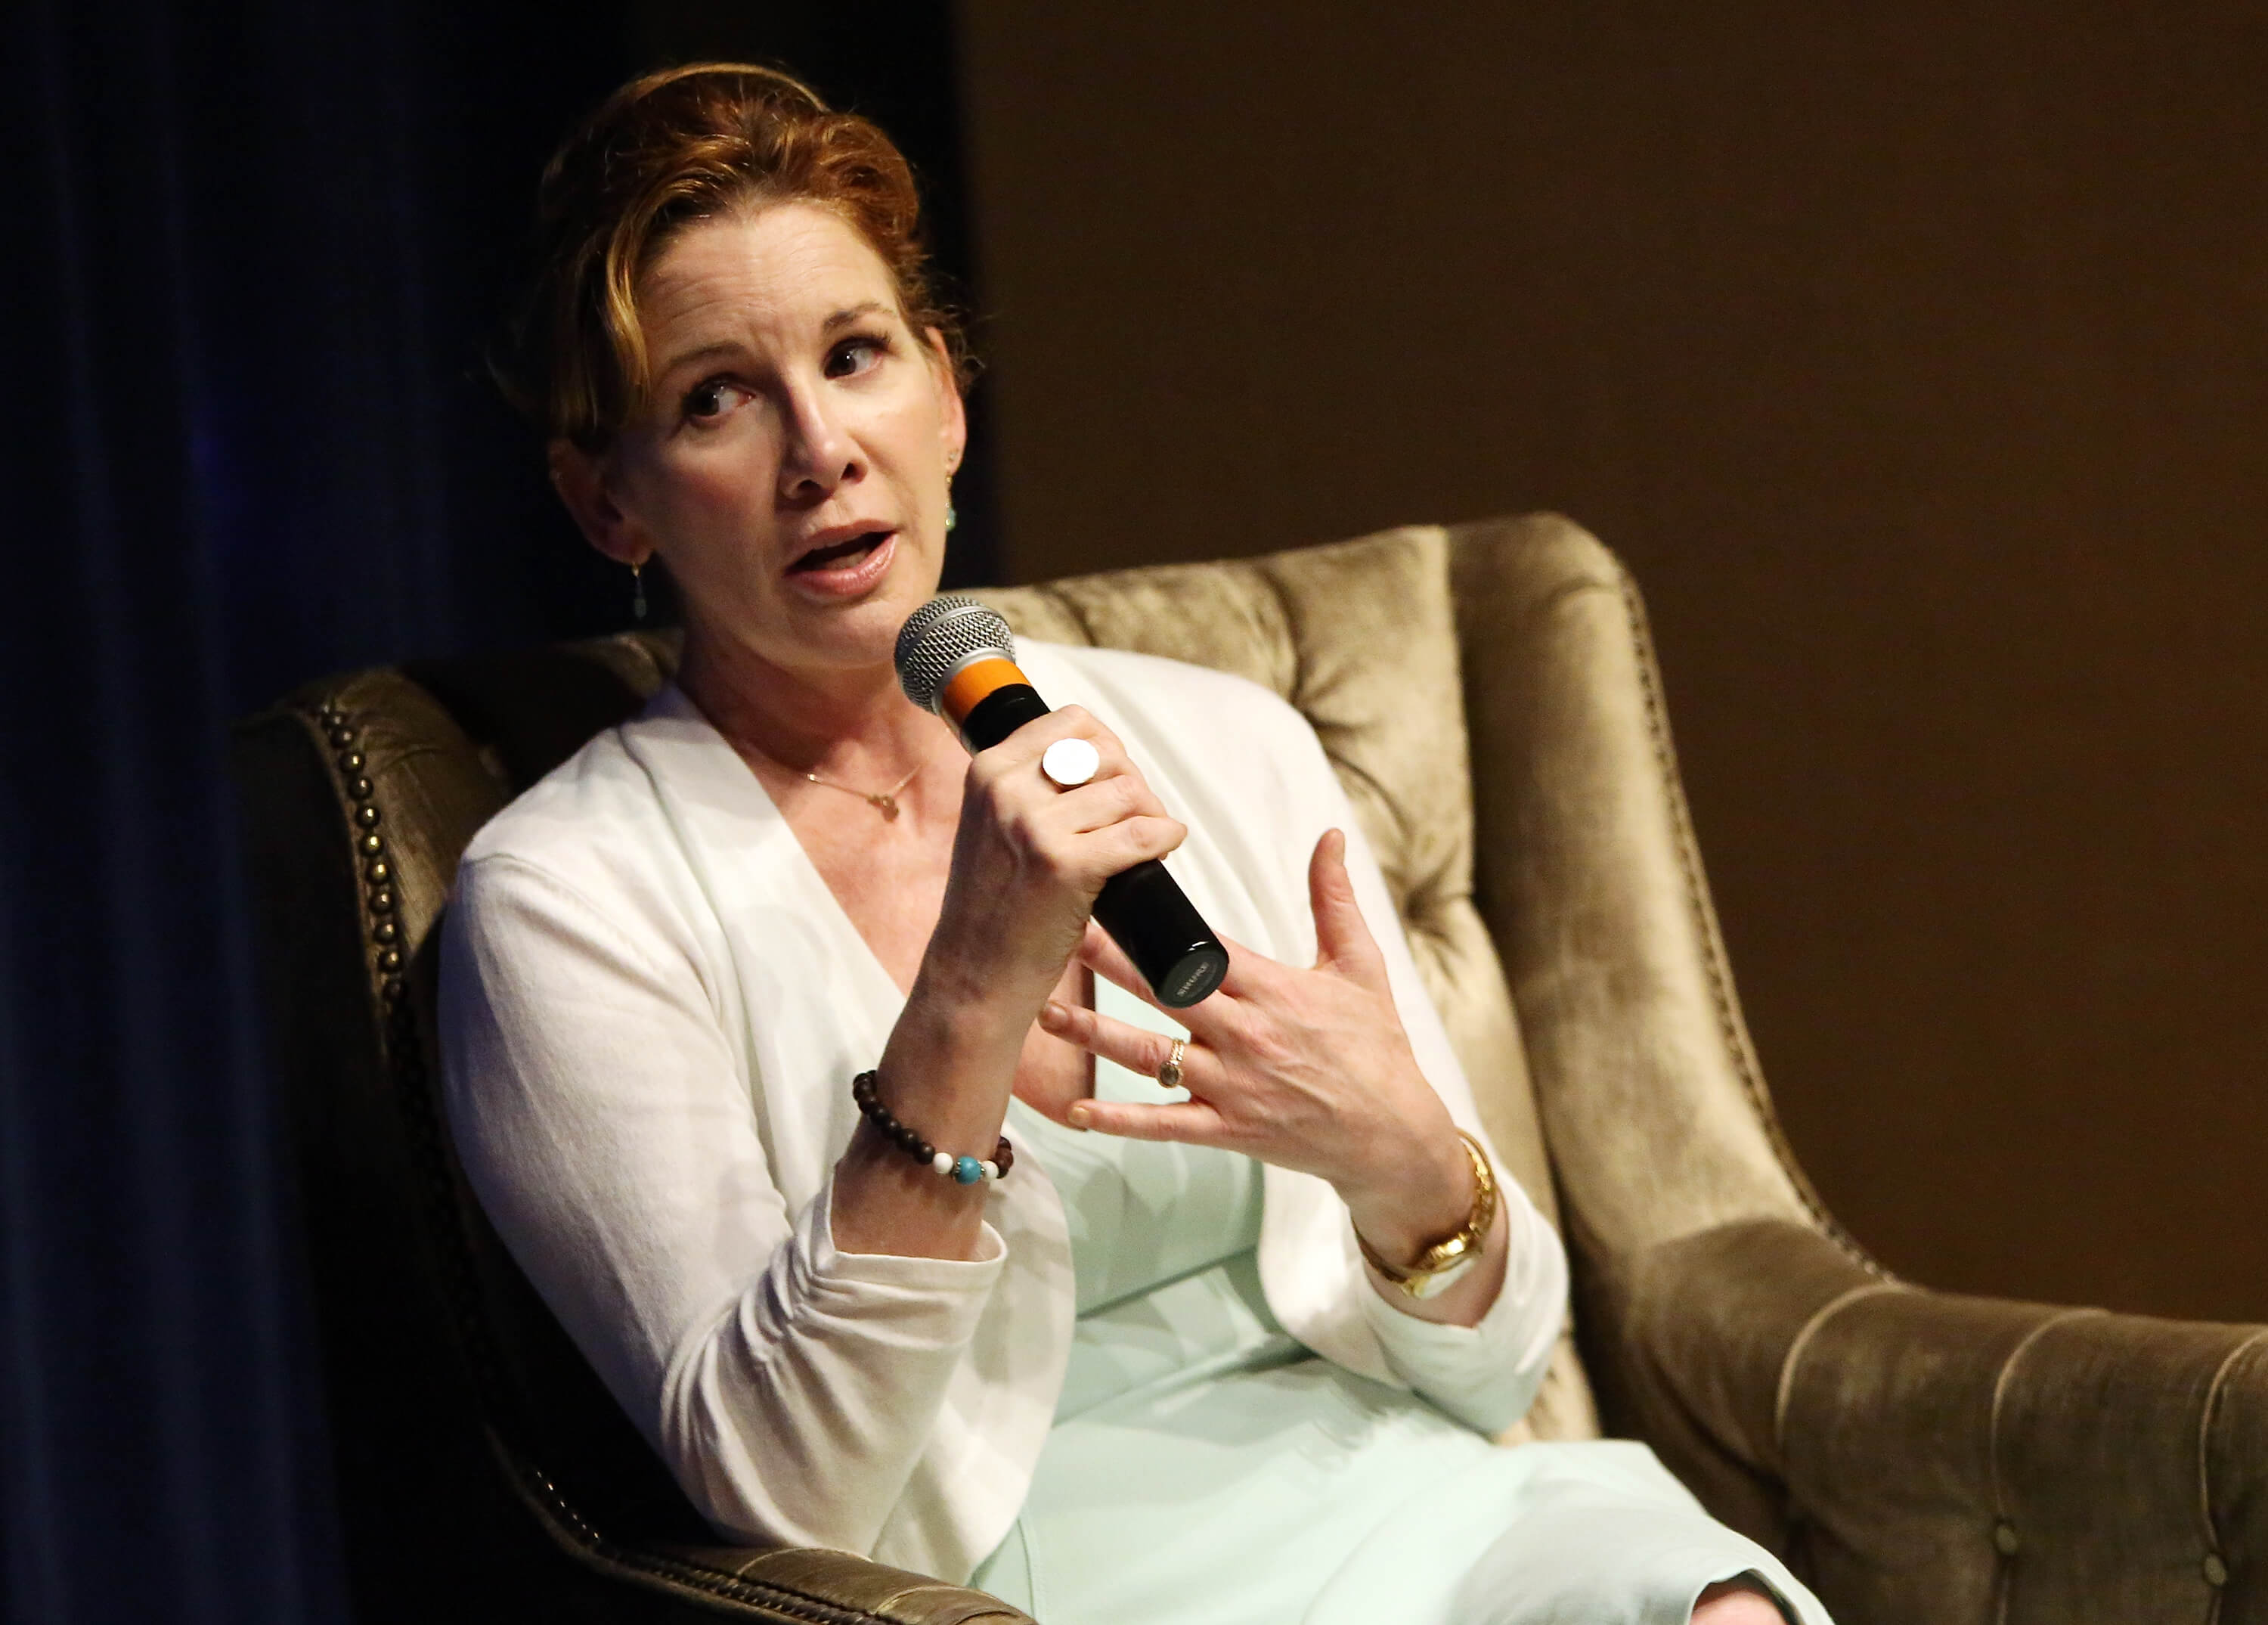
(652, 1008)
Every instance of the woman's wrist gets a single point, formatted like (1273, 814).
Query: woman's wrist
(1428, 1198)
(953, 1027)
(976, 980)
(964, 1167)
(945, 1073)
(885, 1202)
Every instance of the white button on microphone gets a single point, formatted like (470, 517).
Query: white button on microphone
(1071, 762)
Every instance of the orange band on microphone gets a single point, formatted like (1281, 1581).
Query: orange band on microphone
(969, 687)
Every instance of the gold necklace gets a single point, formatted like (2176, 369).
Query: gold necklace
(883, 801)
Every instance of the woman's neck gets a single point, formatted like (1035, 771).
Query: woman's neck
(849, 722)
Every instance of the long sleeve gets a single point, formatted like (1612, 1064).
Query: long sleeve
(604, 1121)
(1486, 1375)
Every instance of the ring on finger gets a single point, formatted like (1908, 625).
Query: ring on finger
(1169, 1076)
(1071, 762)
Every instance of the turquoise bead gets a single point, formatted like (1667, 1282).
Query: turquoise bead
(967, 1170)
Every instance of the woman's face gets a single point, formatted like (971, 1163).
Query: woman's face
(790, 463)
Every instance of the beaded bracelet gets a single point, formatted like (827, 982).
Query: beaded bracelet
(967, 1170)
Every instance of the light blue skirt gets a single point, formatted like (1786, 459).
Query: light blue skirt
(1272, 1488)
(1206, 1469)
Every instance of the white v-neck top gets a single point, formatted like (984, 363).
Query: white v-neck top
(652, 1007)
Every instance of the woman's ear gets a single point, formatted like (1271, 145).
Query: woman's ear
(953, 415)
(580, 479)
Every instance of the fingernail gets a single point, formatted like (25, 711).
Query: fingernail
(1054, 1013)
(1078, 1116)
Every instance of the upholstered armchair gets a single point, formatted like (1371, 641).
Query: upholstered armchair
(1488, 695)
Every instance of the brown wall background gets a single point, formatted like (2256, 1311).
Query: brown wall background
(1915, 358)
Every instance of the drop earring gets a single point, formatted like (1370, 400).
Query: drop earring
(952, 515)
(637, 591)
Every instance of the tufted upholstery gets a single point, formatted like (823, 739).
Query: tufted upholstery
(1490, 700)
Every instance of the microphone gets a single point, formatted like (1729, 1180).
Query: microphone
(957, 658)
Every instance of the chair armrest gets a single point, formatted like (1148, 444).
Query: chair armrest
(656, 1580)
(2009, 1461)
(863, 1591)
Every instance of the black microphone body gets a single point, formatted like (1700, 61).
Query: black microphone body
(1143, 908)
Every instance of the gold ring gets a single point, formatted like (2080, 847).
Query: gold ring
(1169, 1076)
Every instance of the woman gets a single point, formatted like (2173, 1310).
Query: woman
(1200, 1351)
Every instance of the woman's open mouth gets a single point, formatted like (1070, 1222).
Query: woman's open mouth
(849, 566)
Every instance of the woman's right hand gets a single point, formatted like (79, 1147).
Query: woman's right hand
(1028, 859)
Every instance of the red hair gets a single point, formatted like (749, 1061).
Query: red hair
(685, 144)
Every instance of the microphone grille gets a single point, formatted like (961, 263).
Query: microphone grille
(939, 638)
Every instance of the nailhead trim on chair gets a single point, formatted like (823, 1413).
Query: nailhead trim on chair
(370, 847)
(405, 1062)
(1712, 948)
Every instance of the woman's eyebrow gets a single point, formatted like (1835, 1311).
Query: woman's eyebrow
(719, 347)
(856, 313)
(846, 317)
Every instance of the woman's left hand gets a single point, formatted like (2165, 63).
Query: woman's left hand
(1310, 1069)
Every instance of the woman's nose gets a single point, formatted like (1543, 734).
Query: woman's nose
(820, 454)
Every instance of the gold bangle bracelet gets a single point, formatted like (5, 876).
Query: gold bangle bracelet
(1452, 1250)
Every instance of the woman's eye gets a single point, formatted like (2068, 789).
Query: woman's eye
(854, 356)
(709, 399)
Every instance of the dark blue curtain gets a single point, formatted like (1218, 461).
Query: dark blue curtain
(253, 247)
